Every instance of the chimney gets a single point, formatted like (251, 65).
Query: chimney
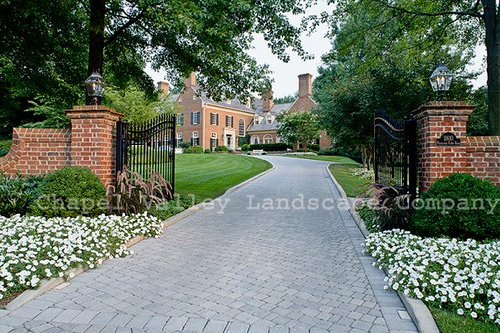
(305, 88)
(191, 80)
(163, 87)
(267, 101)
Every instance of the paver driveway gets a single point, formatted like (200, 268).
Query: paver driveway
(248, 264)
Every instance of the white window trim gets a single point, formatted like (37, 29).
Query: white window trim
(195, 134)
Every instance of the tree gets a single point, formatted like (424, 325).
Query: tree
(286, 99)
(467, 21)
(362, 75)
(209, 37)
(298, 127)
(135, 105)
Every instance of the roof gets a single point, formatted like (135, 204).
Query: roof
(235, 103)
(264, 125)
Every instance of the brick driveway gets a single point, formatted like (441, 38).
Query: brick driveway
(237, 268)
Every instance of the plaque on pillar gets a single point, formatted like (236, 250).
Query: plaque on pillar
(448, 139)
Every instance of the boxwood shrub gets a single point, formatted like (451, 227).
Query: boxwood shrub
(271, 146)
(69, 192)
(458, 206)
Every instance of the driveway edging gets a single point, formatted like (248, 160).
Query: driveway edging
(417, 309)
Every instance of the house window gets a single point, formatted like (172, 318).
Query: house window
(241, 127)
(268, 138)
(195, 140)
(180, 99)
(256, 120)
(255, 139)
(178, 141)
(214, 119)
(229, 121)
(180, 119)
(195, 118)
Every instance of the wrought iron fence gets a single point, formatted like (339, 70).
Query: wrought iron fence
(395, 160)
(148, 147)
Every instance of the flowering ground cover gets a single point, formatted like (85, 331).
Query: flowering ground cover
(35, 248)
(461, 276)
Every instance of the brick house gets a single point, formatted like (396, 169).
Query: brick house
(264, 128)
(207, 123)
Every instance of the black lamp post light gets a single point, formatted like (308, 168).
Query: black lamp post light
(95, 88)
(441, 80)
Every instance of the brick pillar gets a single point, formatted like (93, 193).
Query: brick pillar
(93, 140)
(437, 160)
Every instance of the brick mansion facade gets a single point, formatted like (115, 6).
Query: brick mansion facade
(207, 123)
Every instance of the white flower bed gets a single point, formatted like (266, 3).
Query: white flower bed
(34, 248)
(463, 276)
(363, 173)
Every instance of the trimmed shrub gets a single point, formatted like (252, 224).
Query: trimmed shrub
(17, 194)
(221, 149)
(245, 147)
(207, 151)
(313, 147)
(194, 150)
(272, 146)
(459, 206)
(70, 192)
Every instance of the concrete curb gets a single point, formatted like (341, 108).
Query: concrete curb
(418, 311)
(47, 285)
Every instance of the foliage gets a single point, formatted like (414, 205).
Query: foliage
(5, 147)
(207, 151)
(170, 208)
(133, 194)
(221, 149)
(33, 248)
(382, 30)
(136, 106)
(459, 206)
(53, 117)
(245, 147)
(194, 150)
(374, 65)
(42, 59)
(461, 276)
(270, 146)
(286, 99)
(18, 193)
(70, 192)
(299, 127)
(369, 217)
(390, 204)
(478, 121)
(314, 147)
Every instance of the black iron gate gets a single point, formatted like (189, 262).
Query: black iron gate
(147, 147)
(396, 152)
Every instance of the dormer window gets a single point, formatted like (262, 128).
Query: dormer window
(256, 120)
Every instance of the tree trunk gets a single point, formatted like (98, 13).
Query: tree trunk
(492, 28)
(96, 38)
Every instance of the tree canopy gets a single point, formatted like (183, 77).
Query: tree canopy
(375, 70)
(299, 127)
(48, 48)
(410, 26)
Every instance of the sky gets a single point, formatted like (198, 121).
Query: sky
(285, 75)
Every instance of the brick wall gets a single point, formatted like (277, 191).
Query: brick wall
(90, 143)
(479, 156)
(37, 151)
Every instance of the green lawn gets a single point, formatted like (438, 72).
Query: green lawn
(328, 158)
(352, 185)
(210, 175)
(449, 322)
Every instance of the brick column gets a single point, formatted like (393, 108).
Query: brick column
(93, 140)
(435, 160)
